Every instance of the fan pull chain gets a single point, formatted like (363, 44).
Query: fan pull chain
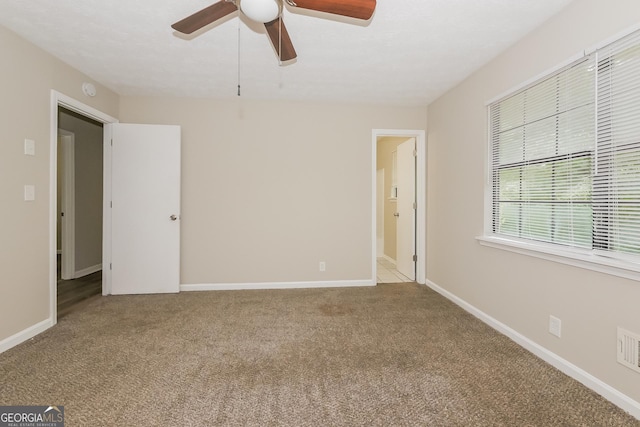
(238, 57)
(280, 39)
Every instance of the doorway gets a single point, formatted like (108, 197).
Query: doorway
(79, 213)
(396, 214)
(85, 269)
(399, 214)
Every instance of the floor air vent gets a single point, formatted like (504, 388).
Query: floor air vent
(629, 349)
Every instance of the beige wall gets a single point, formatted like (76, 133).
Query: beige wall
(518, 290)
(271, 188)
(27, 76)
(88, 137)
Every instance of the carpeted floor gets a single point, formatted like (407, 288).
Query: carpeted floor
(392, 355)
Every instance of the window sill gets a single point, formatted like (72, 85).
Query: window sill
(571, 256)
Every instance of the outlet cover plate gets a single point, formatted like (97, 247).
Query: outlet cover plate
(555, 326)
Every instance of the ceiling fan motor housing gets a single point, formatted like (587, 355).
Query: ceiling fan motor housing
(261, 10)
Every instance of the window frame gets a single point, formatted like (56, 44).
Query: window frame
(617, 264)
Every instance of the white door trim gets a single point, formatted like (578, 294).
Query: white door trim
(421, 196)
(67, 199)
(60, 100)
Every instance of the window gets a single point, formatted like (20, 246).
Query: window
(616, 185)
(565, 156)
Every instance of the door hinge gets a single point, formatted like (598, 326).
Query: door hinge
(111, 204)
(110, 266)
(112, 142)
(415, 258)
(415, 206)
(415, 153)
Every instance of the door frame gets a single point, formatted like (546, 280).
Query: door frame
(67, 200)
(59, 99)
(421, 197)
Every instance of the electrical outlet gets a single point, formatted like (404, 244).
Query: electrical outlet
(323, 266)
(555, 326)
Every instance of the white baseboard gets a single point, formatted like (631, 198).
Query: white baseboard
(87, 271)
(605, 390)
(275, 285)
(24, 335)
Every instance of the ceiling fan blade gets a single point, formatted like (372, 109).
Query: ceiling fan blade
(360, 9)
(205, 17)
(273, 29)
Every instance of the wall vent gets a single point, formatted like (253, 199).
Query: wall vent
(629, 349)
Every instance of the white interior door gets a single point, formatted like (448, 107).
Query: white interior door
(405, 224)
(145, 213)
(66, 187)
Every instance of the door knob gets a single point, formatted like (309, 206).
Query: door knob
(173, 217)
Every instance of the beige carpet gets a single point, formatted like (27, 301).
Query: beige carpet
(393, 355)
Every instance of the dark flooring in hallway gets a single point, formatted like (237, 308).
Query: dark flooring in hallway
(75, 293)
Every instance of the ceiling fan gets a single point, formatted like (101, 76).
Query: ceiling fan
(269, 12)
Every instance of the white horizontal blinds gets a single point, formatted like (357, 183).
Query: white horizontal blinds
(616, 184)
(542, 156)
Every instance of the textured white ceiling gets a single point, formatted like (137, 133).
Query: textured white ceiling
(410, 52)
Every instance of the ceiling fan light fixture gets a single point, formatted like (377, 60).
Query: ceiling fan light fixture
(261, 10)
(269, 13)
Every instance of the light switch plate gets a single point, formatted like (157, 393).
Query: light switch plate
(29, 192)
(29, 147)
